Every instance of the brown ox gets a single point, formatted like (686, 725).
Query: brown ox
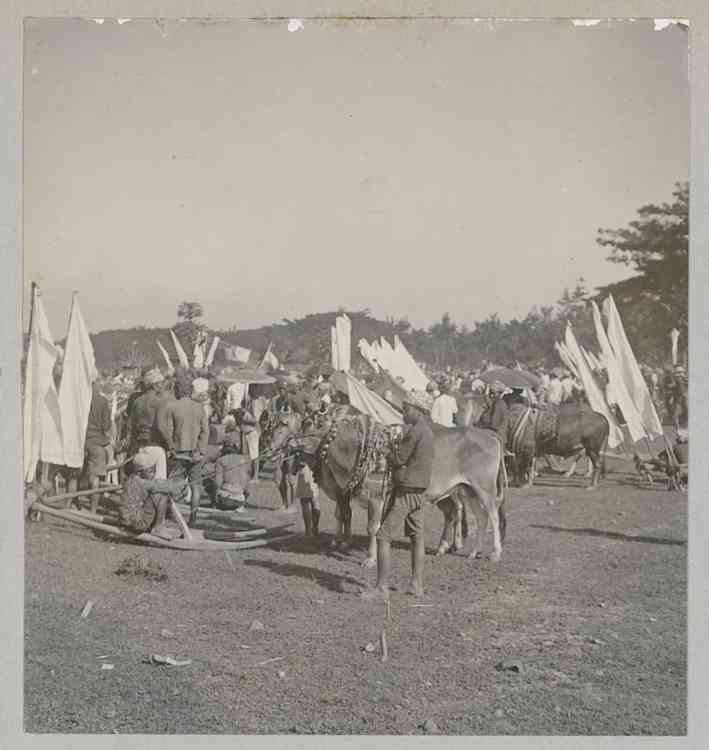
(569, 431)
(468, 475)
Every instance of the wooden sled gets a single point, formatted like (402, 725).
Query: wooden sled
(200, 540)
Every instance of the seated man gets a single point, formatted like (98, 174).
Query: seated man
(232, 475)
(143, 503)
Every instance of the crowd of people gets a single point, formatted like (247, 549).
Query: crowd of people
(192, 430)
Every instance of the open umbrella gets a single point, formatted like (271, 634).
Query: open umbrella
(511, 378)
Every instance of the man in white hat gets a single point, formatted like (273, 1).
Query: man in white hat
(146, 437)
(142, 505)
(184, 427)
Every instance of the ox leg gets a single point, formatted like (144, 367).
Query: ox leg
(591, 467)
(481, 521)
(458, 518)
(447, 507)
(531, 471)
(595, 464)
(495, 520)
(374, 521)
(575, 461)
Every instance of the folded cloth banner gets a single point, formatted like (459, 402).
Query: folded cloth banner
(593, 392)
(237, 354)
(630, 371)
(364, 400)
(170, 368)
(75, 390)
(343, 339)
(212, 351)
(366, 351)
(181, 354)
(674, 338)
(414, 377)
(625, 402)
(566, 358)
(270, 359)
(41, 416)
(334, 349)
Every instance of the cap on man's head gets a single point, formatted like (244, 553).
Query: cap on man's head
(144, 461)
(152, 377)
(200, 389)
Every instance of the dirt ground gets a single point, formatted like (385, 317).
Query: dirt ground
(586, 610)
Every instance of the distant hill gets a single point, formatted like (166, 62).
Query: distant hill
(295, 342)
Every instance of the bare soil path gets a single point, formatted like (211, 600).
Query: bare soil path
(587, 612)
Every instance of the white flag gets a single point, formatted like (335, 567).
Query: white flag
(615, 379)
(344, 342)
(629, 370)
(334, 349)
(170, 368)
(566, 358)
(674, 338)
(269, 359)
(212, 351)
(593, 392)
(75, 390)
(41, 416)
(366, 352)
(181, 355)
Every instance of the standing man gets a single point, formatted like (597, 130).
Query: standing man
(97, 445)
(144, 430)
(444, 408)
(412, 462)
(184, 428)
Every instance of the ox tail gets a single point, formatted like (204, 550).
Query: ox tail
(502, 484)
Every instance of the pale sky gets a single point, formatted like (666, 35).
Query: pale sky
(412, 167)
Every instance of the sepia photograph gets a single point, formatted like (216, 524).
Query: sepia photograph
(354, 376)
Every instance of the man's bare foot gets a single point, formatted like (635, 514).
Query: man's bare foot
(375, 595)
(165, 532)
(414, 589)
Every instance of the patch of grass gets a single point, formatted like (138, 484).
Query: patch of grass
(135, 566)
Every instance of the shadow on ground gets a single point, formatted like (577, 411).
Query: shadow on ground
(325, 579)
(612, 535)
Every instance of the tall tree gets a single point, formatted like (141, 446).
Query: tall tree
(656, 246)
(187, 329)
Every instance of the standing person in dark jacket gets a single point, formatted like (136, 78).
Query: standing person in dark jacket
(97, 446)
(144, 431)
(184, 427)
(412, 463)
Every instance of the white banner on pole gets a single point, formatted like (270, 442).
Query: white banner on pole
(630, 371)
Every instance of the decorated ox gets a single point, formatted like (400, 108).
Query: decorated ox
(468, 475)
